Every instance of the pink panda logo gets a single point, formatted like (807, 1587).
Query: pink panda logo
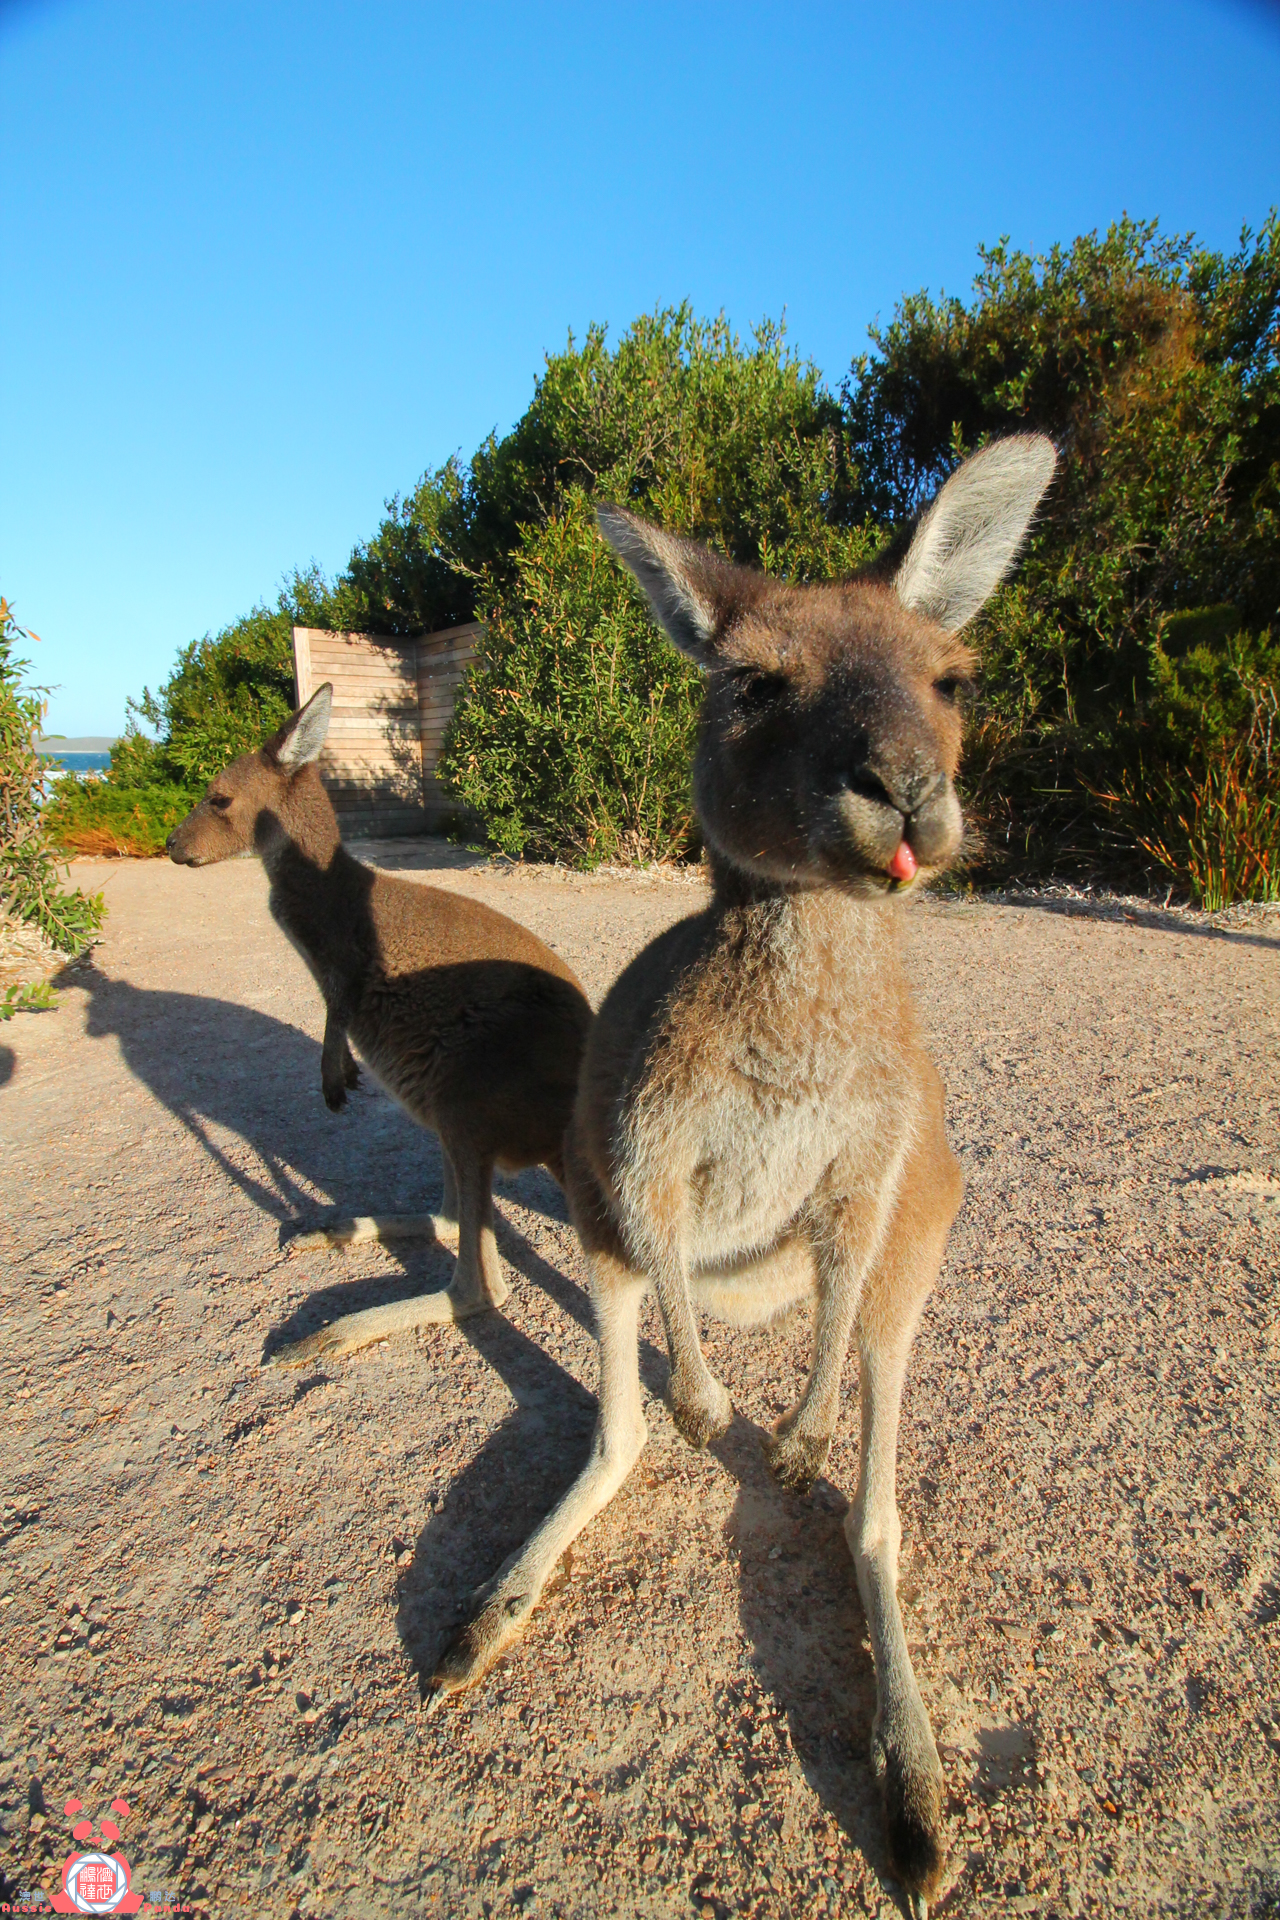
(96, 1882)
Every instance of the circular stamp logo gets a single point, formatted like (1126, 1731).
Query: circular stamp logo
(96, 1882)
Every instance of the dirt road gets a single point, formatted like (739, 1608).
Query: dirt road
(217, 1583)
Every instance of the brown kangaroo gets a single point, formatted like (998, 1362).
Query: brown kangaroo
(466, 1018)
(757, 1121)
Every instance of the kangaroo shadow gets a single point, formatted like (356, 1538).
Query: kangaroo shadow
(237, 1079)
(802, 1614)
(493, 1506)
(224, 1069)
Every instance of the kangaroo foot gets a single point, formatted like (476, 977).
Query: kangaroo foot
(366, 1228)
(911, 1788)
(502, 1612)
(796, 1458)
(702, 1411)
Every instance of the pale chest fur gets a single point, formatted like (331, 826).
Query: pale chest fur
(782, 1054)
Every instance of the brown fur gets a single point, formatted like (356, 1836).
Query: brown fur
(757, 1121)
(469, 1020)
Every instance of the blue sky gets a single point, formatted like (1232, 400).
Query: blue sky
(264, 263)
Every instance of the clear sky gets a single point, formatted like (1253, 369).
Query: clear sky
(265, 262)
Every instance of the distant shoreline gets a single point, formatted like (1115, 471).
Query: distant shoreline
(55, 744)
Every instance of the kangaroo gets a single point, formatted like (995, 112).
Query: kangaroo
(757, 1121)
(466, 1018)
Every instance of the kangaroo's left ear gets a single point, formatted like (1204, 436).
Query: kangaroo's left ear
(968, 539)
(693, 593)
(302, 736)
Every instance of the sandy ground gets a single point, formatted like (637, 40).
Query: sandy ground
(218, 1584)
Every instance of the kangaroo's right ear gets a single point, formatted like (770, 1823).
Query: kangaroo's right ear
(968, 539)
(693, 593)
(303, 734)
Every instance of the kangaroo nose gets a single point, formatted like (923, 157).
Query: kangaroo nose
(903, 788)
(912, 790)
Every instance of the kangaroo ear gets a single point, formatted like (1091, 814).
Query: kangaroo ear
(966, 542)
(692, 592)
(301, 737)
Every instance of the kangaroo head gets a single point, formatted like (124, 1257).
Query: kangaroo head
(248, 802)
(831, 727)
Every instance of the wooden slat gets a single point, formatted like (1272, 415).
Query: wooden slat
(393, 700)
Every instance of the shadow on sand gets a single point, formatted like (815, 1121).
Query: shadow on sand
(228, 1070)
(799, 1602)
(1133, 913)
(225, 1069)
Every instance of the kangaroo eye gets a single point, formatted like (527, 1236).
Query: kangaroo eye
(951, 686)
(756, 691)
(220, 800)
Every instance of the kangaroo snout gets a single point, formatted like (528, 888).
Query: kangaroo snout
(868, 823)
(906, 789)
(176, 848)
(184, 847)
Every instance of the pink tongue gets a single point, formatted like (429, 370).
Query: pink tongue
(903, 864)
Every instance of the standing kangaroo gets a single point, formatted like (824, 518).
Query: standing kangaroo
(757, 1120)
(467, 1019)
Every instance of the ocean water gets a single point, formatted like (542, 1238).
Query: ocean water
(77, 762)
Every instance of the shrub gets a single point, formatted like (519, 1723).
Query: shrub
(1120, 728)
(573, 732)
(572, 737)
(29, 886)
(1124, 663)
(226, 693)
(95, 816)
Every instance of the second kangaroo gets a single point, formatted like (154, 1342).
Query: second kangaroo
(466, 1018)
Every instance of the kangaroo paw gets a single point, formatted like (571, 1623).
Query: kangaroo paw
(796, 1459)
(329, 1342)
(703, 1418)
(366, 1229)
(912, 1797)
(356, 1330)
(485, 1638)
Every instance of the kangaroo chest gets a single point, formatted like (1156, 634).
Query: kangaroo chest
(780, 1060)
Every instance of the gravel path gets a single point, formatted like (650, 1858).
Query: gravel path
(217, 1584)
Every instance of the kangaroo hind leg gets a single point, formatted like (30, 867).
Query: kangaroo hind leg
(477, 1283)
(902, 1745)
(503, 1606)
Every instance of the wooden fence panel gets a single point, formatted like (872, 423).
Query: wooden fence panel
(392, 701)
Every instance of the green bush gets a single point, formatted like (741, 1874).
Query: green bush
(29, 886)
(95, 816)
(1125, 665)
(226, 693)
(573, 733)
(1123, 726)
